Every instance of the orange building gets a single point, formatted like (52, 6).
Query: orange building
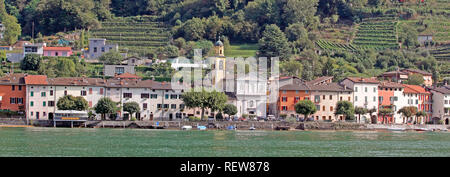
(13, 92)
(290, 94)
(420, 97)
(388, 95)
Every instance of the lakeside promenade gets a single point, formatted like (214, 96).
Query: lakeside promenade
(223, 125)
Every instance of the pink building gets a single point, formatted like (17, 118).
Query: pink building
(58, 51)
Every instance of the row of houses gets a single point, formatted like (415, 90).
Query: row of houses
(368, 93)
(37, 95)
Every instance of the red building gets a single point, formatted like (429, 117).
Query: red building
(13, 92)
(291, 91)
(388, 94)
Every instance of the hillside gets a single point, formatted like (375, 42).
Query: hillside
(135, 35)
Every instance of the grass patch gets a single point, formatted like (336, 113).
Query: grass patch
(241, 50)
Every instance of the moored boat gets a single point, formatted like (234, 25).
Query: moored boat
(396, 129)
(186, 127)
(201, 127)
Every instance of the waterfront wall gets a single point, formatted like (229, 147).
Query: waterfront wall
(223, 125)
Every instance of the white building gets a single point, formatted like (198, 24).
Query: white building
(251, 95)
(441, 103)
(157, 100)
(365, 92)
(37, 49)
(97, 47)
(43, 93)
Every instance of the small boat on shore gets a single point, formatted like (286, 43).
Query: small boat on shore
(396, 129)
(201, 127)
(422, 129)
(252, 128)
(231, 127)
(186, 127)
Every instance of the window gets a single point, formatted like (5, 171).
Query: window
(284, 91)
(173, 96)
(13, 87)
(375, 89)
(31, 103)
(51, 103)
(331, 97)
(65, 92)
(31, 93)
(323, 108)
(56, 53)
(173, 106)
(331, 108)
(12, 100)
(101, 90)
(166, 106)
(374, 98)
(154, 96)
(380, 98)
(323, 97)
(20, 87)
(83, 93)
(51, 92)
(144, 106)
(90, 91)
(127, 95)
(284, 108)
(365, 89)
(158, 106)
(145, 95)
(365, 99)
(356, 89)
(19, 101)
(103, 49)
(120, 70)
(95, 49)
(166, 96)
(284, 99)
(182, 106)
(317, 107)
(348, 98)
(317, 98)
(44, 103)
(43, 94)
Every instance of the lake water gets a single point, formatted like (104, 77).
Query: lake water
(173, 143)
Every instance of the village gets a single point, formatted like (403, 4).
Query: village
(381, 100)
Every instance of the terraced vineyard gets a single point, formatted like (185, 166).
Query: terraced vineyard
(140, 35)
(377, 33)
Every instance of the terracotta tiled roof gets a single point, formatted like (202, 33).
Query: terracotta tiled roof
(296, 84)
(127, 76)
(363, 80)
(77, 81)
(319, 80)
(417, 71)
(414, 89)
(334, 87)
(443, 90)
(36, 80)
(15, 78)
(116, 83)
(57, 49)
(390, 85)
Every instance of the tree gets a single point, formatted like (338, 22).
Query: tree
(345, 108)
(274, 43)
(31, 62)
(415, 79)
(131, 107)
(385, 112)
(204, 100)
(296, 11)
(291, 68)
(70, 102)
(420, 115)
(408, 112)
(193, 29)
(359, 111)
(230, 110)
(305, 107)
(371, 111)
(161, 70)
(105, 106)
(111, 58)
(12, 29)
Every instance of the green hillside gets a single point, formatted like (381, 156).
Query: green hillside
(140, 35)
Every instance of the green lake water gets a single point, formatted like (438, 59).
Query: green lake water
(85, 142)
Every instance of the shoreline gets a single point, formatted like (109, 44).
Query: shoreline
(218, 125)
